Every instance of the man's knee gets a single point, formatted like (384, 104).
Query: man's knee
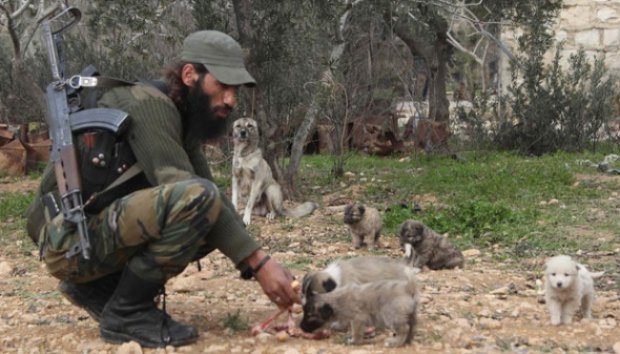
(198, 196)
(210, 197)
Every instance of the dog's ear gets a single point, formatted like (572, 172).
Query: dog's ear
(419, 229)
(305, 283)
(326, 311)
(404, 227)
(329, 285)
(362, 209)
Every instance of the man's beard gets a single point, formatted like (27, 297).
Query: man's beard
(200, 122)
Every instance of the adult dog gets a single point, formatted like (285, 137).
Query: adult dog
(252, 179)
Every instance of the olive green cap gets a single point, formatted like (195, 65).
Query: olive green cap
(220, 54)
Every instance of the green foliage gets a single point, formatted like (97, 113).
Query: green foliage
(14, 204)
(393, 217)
(235, 322)
(553, 108)
(478, 223)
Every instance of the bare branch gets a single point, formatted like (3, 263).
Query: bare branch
(458, 46)
(11, 29)
(42, 13)
(22, 8)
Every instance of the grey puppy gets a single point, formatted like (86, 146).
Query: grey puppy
(391, 303)
(425, 247)
(364, 222)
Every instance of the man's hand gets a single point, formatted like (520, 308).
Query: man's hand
(275, 280)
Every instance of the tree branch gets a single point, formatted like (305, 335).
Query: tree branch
(22, 8)
(10, 25)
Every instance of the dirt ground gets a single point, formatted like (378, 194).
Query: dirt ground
(491, 306)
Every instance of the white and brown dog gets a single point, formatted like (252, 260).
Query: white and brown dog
(252, 179)
(391, 303)
(569, 286)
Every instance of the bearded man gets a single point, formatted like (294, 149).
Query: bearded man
(148, 228)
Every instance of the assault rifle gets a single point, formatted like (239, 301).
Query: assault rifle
(65, 119)
(63, 152)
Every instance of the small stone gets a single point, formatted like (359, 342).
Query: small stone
(297, 308)
(129, 348)
(282, 336)
(515, 313)
(263, 337)
(617, 348)
(291, 351)
(5, 269)
(488, 323)
(471, 253)
(608, 323)
(462, 323)
(485, 313)
(215, 348)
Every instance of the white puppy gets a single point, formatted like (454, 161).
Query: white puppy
(568, 288)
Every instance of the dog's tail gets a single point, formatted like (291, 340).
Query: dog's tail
(304, 209)
(595, 275)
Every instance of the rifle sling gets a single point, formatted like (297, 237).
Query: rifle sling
(110, 82)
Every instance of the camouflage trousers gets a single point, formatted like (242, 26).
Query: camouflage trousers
(156, 232)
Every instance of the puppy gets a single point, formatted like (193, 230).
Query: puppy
(391, 303)
(568, 288)
(364, 223)
(358, 270)
(252, 179)
(425, 247)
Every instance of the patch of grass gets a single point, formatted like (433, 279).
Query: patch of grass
(300, 263)
(525, 205)
(393, 217)
(14, 204)
(235, 322)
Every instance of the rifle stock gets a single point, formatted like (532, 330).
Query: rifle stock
(63, 152)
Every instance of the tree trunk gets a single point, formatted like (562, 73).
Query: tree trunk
(438, 104)
(436, 57)
(247, 34)
(310, 118)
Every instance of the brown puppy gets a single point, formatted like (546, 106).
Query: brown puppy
(425, 247)
(392, 303)
(364, 222)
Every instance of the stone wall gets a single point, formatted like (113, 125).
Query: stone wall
(593, 25)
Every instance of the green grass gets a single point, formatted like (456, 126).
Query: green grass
(12, 225)
(14, 204)
(486, 199)
(235, 322)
